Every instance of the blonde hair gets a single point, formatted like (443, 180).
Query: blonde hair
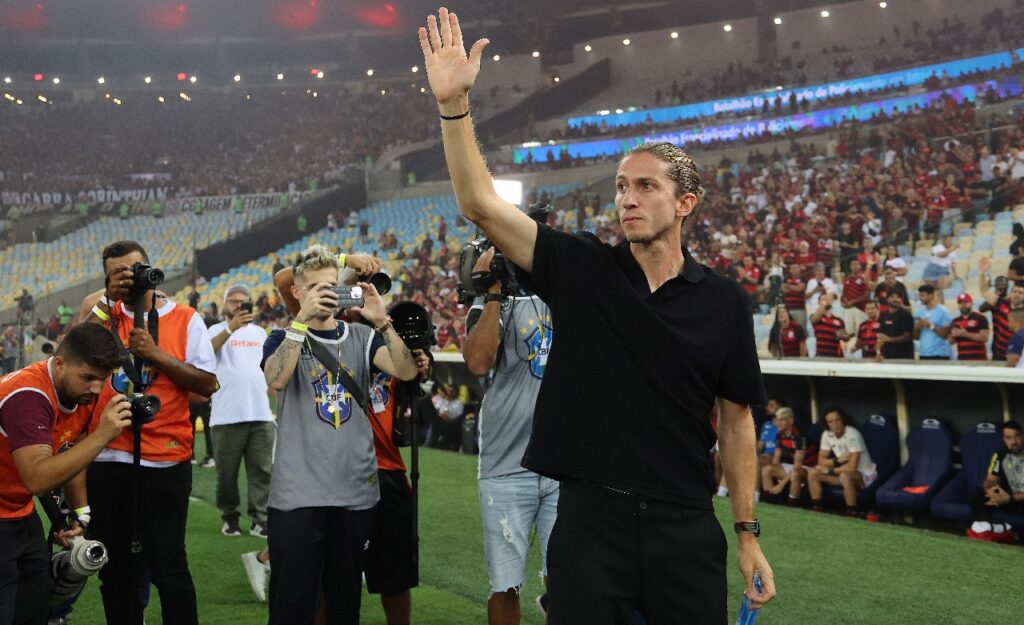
(314, 258)
(682, 169)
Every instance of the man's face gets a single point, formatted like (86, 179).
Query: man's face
(129, 259)
(965, 308)
(871, 310)
(855, 267)
(233, 302)
(925, 297)
(645, 198)
(1014, 441)
(77, 382)
(819, 273)
(771, 407)
(785, 423)
(835, 423)
(890, 277)
(895, 300)
(303, 288)
(1017, 296)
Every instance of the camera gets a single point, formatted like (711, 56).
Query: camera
(380, 281)
(144, 408)
(144, 278)
(475, 284)
(413, 325)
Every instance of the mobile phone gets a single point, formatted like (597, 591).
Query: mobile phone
(245, 307)
(348, 296)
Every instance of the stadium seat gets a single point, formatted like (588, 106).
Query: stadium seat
(976, 449)
(883, 442)
(930, 465)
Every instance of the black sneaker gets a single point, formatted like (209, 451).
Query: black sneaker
(231, 528)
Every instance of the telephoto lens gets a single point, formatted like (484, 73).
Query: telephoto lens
(381, 281)
(71, 568)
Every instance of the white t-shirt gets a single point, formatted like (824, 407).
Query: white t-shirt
(851, 442)
(896, 263)
(942, 261)
(242, 396)
(812, 284)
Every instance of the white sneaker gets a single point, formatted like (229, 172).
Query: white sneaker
(257, 572)
(722, 492)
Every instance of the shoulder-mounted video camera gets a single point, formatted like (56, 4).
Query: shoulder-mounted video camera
(473, 284)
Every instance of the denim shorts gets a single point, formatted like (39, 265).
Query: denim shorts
(510, 506)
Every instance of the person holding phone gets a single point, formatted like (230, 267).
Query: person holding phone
(241, 423)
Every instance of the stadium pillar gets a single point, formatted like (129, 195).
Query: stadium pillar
(767, 40)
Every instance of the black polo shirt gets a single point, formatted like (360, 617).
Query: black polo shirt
(895, 323)
(632, 377)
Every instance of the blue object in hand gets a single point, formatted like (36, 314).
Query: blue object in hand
(746, 615)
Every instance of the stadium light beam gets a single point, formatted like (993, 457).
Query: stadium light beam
(147, 79)
(192, 79)
(7, 80)
(280, 76)
(238, 78)
(588, 48)
(674, 35)
(509, 190)
(369, 72)
(825, 13)
(101, 80)
(727, 28)
(626, 42)
(536, 54)
(882, 5)
(56, 80)
(778, 21)
(415, 68)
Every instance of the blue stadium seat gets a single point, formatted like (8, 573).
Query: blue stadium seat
(883, 442)
(929, 467)
(976, 449)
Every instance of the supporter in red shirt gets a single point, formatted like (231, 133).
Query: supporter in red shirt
(998, 302)
(749, 275)
(870, 259)
(856, 293)
(829, 330)
(793, 289)
(867, 332)
(969, 331)
(787, 339)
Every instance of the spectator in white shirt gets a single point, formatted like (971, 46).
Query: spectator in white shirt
(240, 417)
(818, 286)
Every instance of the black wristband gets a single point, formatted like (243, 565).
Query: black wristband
(451, 118)
(493, 297)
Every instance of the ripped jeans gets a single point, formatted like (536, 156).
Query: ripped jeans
(510, 506)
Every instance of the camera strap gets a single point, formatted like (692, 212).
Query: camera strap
(328, 360)
(133, 366)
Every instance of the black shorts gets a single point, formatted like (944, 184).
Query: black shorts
(391, 566)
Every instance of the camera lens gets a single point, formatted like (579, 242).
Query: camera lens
(381, 281)
(147, 404)
(155, 277)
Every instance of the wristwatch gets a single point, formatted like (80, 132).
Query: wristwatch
(752, 527)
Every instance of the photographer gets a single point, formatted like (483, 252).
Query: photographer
(649, 341)
(508, 342)
(241, 424)
(44, 411)
(180, 361)
(323, 490)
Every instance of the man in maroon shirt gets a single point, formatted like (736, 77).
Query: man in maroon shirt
(793, 294)
(856, 293)
(867, 332)
(969, 331)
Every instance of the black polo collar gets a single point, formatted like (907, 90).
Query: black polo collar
(692, 271)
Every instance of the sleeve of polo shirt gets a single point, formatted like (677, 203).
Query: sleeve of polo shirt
(198, 347)
(556, 257)
(740, 381)
(26, 418)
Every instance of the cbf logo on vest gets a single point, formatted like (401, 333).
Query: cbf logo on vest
(333, 401)
(538, 342)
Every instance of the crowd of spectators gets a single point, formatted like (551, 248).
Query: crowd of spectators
(217, 143)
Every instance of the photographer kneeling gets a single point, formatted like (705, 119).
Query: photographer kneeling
(169, 354)
(323, 490)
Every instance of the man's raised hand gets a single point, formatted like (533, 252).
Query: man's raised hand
(450, 72)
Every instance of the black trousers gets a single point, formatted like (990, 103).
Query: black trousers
(24, 572)
(314, 549)
(984, 513)
(611, 553)
(163, 513)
